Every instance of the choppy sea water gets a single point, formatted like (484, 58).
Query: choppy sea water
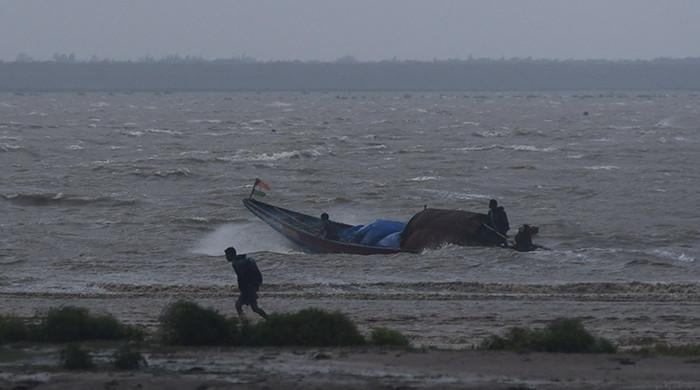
(112, 194)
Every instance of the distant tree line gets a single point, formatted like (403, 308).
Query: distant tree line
(185, 73)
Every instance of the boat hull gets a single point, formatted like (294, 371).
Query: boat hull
(303, 230)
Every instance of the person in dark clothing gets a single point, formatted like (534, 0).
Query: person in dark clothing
(249, 281)
(327, 229)
(523, 240)
(498, 219)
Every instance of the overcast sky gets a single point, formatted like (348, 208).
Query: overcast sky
(366, 29)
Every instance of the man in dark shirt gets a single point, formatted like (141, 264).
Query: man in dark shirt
(498, 218)
(249, 281)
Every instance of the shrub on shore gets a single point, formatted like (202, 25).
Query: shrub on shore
(561, 335)
(125, 358)
(12, 329)
(388, 337)
(308, 327)
(186, 323)
(672, 350)
(71, 323)
(73, 357)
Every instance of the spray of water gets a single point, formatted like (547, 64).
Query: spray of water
(246, 238)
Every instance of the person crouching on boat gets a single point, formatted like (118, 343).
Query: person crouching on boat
(249, 281)
(327, 229)
(523, 240)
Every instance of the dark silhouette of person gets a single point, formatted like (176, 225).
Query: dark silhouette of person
(523, 240)
(249, 281)
(327, 229)
(498, 219)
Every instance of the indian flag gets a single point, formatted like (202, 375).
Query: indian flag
(261, 184)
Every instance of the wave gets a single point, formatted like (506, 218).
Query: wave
(583, 291)
(673, 255)
(163, 131)
(179, 172)
(279, 104)
(274, 156)
(455, 195)
(59, 198)
(523, 148)
(208, 121)
(602, 167)
(423, 178)
(11, 148)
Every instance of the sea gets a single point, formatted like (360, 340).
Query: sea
(109, 197)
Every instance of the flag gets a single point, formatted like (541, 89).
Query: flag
(258, 193)
(261, 184)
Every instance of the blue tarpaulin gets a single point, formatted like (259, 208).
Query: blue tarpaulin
(375, 233)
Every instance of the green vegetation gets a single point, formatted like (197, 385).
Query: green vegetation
(308, 327)
(73, 357)
(561, 335)
(186, 323)
(672, 350)
(384, 336)
(12, 329)
(71, 323)
(127, 359)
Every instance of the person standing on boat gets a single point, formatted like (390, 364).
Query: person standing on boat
(327, 228)
(249, 281)
(498, 219)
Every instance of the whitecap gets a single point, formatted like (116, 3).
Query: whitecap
(423, 178)
(530, 148)
(682, 256)
(279, 104)
(99, 104)
(75, 147)
(602, 167)
(163, 131)
(9, 147)
(210, 121)
(524, 148)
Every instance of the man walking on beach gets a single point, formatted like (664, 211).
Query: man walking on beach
(249, 281)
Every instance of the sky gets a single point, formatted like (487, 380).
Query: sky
(366, 29)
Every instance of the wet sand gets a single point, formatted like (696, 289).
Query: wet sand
(370, 368)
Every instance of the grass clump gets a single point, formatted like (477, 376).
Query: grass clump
(561, 335)
(125, 358)
(73, 357)
(308, 327)
(71, 323)
(384, 336)
(671, 350)
(12, 329)
(186, 323)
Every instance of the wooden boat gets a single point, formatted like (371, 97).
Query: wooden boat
(303, 230)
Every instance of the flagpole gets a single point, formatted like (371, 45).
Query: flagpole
(253, 190)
